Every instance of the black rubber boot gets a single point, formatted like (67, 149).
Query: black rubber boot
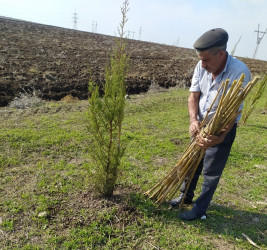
(177, 201)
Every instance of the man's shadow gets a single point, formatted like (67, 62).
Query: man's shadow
(221, 220)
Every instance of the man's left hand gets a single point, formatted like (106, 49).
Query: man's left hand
(208, 141)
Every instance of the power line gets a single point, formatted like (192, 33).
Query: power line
(259, 38)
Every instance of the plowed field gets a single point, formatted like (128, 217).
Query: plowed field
(57, 61)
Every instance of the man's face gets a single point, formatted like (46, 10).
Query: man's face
(212, 63)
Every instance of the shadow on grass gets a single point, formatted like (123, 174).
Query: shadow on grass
(256, 126)
(222, 220)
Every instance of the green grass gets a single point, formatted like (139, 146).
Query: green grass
(44, 167)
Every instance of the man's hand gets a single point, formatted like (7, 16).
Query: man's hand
(194, 128)
(193, 102)
(209, 140)
(212, 140)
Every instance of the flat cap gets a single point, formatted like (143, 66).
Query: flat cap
(212, 38)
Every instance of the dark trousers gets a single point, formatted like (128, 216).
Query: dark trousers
(212, 164)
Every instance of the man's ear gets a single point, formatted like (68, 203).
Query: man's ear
(221, 53)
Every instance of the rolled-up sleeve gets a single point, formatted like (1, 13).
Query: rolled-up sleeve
(195, 80)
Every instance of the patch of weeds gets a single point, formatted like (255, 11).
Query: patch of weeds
(56, 240)
(43, 203)
(26, 99)
(31, 247)
(7, 179)
(14, 207)
(8, 225)
(143, 204)
(61, 177)
(7, 161)
(97, 234)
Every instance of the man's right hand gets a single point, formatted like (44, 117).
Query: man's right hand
(193, 107)
(194, 128)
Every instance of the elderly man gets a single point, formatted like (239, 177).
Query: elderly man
(214, 67)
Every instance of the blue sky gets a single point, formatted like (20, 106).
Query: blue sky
(172, 22)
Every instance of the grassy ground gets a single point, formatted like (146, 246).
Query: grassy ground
(46, 200)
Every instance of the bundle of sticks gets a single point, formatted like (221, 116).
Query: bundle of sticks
(229, 99)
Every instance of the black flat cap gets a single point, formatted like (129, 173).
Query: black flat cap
(211, 38)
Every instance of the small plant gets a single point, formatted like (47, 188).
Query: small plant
(8, 225)
(26, 99)
(106, 116)
(251, 103)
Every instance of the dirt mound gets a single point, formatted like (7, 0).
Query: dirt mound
(58, 62)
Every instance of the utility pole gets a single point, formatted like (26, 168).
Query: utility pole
(259, 38)
(129, 32)
(140, 32)
(233, 51)
(94, 26)
(133, 33)
(177, 42)
(75, 18)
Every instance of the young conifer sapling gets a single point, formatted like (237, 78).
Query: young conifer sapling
(106, 114)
